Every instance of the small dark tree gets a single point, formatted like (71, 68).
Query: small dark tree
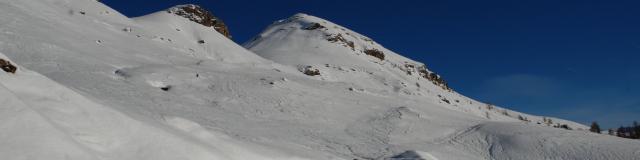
(595, 128)
(636, 130)
(620, 132)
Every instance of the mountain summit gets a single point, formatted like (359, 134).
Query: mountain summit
(305, 40)
(202, 16)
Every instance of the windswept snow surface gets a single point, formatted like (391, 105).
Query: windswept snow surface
(104, 86)
(41, 119)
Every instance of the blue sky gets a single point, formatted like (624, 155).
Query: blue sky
(574, 59)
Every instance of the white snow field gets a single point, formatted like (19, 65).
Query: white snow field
(94, 84)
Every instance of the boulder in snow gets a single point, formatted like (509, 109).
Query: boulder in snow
(7, 66)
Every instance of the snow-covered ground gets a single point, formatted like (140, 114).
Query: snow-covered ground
(45, 120)
(94, 84)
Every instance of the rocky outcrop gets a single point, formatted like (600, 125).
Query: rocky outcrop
(422, 71)
(339, 39)
(313, 26)
(375, 53)
(199, 15)
(434, 78)
(7, 66)
(310, 71)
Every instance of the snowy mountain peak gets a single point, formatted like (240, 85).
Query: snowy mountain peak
(202, 16)
(317, 41)
(301, 14)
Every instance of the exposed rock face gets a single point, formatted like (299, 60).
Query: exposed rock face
(310, 71)
(199, 15)
(339, 39)
(375, 53)
(434, 78)
(314, 26)
(431, 76)
(7, 66)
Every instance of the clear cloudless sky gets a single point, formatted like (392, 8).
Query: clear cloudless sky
(572, 59)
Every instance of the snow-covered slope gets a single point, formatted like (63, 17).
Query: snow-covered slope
(499, 140)
(161, 86)
(340, 55)
(45, 120)
(77, 110)
(192, 38)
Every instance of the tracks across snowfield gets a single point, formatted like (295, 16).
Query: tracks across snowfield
(503, 140)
